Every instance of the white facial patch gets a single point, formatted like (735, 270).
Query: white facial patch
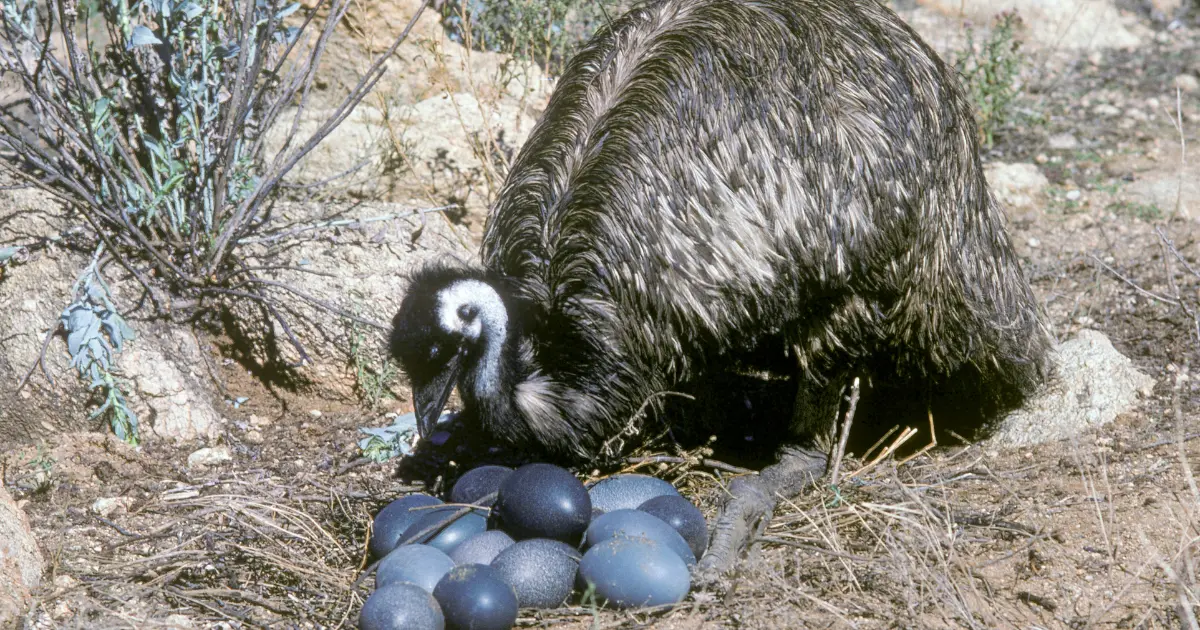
(482, 299)
(489, 324)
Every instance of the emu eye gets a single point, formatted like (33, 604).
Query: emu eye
(434, 352)
(467, 312)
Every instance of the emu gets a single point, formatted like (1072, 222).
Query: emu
(712, 178)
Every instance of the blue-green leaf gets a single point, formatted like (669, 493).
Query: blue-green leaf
(79, 337)
(143, 36)
(102, 409)
(227, 51)
(288, 10)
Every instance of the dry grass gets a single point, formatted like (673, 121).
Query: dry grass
(245, 548)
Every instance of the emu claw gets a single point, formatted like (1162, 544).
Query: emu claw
(748, 511)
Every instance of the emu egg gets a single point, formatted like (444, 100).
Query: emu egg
(685, 517)
(474, 597)
(476, 484)
(633, 572)
(421, 565)
(442, 529)
(637, 524)
(626, 492)
(543, 501)
(541, 571)
(481, 548)
(394, 519)
(401, 607)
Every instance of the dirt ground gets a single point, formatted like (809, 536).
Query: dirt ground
(1101, 531)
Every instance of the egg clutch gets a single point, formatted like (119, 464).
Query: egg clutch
(529, 538)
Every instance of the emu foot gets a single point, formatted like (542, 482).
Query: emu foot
(750, 506)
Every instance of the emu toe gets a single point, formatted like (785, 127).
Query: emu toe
(750, 506)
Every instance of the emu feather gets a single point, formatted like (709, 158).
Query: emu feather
(717, 175)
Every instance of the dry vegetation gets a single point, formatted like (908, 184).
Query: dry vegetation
(1097, 532)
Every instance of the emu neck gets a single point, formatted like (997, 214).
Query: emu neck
(489, 375)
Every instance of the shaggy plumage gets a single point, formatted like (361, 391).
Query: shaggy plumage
(717, 175)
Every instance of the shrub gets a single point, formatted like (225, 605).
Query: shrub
(990, 70)
(544, 31)
(149, 117)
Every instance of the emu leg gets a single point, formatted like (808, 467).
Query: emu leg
(752, 502)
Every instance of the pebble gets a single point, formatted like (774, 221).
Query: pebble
(209, 457)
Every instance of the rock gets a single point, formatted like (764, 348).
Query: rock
(106, 506)
(1092, 385)
(178, 622)
(169, 399)
(42, 286)
(1070, 24)
(1063, 142)
(1106, 110)
(371, 288)
(175, 401)
(1020, 185)
(1168, 191)
(1166, 7)
(475, 97)
(209, 457)
(1187, 83)
(20, 561)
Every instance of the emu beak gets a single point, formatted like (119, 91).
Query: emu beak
(430, 398)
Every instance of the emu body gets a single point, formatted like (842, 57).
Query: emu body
(716, 175)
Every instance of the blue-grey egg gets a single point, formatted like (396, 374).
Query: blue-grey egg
(541, 571)
(481, 548)
(444, 527)
(637, 524)
(474, 597)
(634, 572)
(685, 517)
(415, 564)
(401, 606)
(476, 484)
(543, 501)
(626, 492)
(394, 519)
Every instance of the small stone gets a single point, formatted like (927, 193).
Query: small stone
(1106, 110)
(1041, 158)
(106, 506)
(1187, 83)
(63, 582)
(254, 436)
(209, 456)
(1033, 242)
(1018, 185)
(178, 622)
(1073, 195)
(316, 413)
(1062, 142)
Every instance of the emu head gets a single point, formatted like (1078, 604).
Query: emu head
(450, 330)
